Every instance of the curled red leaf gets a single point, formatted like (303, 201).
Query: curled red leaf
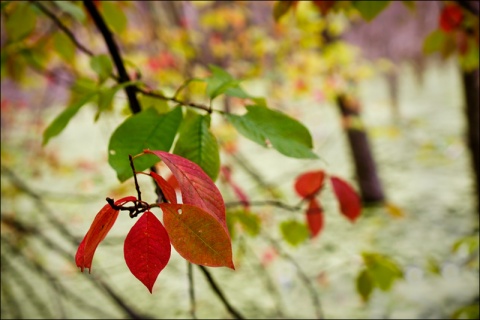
(167, 189)
(315, 217)
(350, 204)
(309, 183)
(197, 235)
(197, 187)
(99, 228)
(147, 249)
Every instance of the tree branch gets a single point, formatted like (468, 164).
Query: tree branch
(220, 294)
(114, 53)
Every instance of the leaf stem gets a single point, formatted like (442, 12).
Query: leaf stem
(220, 294)
(137, 187)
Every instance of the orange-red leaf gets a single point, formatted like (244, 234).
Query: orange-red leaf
(147, 249)
(173, 182)
(168, 190)
(315, 217)
(196, 186)
(99, 228)
(350, 204)
(197, 236)
(309, 183)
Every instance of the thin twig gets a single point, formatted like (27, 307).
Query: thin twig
(302, 275)
(220, 294)
(137, 187)
(274, 203)
(191, 290)
(62, 27)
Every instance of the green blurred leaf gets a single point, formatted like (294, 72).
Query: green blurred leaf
(102, 65)
(364, 285)
(64, 46)
(286, 134)
(434, 42)
(114, 16)
(470, 242)
(62, 120)
(145, 130)
(280, 8)
(370, 9)
(150, 102)
(21, 22)
(198, 144)
(249, 222)
(72, 9)
(467, 312)
(105, 97)
(294, 232)
(382, 269)
(409, 4)
(469, 61)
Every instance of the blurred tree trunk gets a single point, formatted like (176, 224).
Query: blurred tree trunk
(371, 189)
(471, 88)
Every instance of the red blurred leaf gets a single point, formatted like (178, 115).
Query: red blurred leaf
(309, 183)
(196, 186)
(451, 17)
(349, 200)
(315, 217)
(197, 235)
(226, 171)
(324, 6)
(147, 249)
(168, 190)
(99, 228)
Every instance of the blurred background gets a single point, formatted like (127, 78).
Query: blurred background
(391, 102)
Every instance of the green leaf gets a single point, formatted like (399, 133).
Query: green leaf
(249, 222)
(280, 8)
(219, 82)
(198, 144)
(102, 65)
(105, 97)
(286, 134)
(469, 61)
(61, 121)
(21, 22)
(150, 102)
(64, 46)
(370, 9)
(145, 130)
(364, 285)
(294, 232)
(114, 16)
(409, 4)
(434, 42)
(72, 9)
(382, 269)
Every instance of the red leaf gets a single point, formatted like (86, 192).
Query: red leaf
(173, 182)
(147, 249)
(349, 200)
(196, 186)
(197, 235)
(99, 228)
(315, 217)
(168, 190)
(226, 171)
(451, 17)
(309, 183)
